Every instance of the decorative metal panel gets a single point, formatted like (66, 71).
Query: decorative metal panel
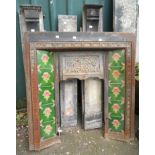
(46, 94)
(81, 66)
(116, 90)
(125, 15)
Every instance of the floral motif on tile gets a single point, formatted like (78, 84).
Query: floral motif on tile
(46, 94)
(116, 123)
(116, 92)
(115, 107)
(48, 129)
(116, 57)
(47, 111)
(46, 76)
(116, 74)
(45, 58)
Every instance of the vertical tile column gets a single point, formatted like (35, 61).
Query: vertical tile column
(46, 94)
(125, 16)
(116, 90)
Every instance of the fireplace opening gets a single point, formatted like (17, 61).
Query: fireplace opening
(82, 103)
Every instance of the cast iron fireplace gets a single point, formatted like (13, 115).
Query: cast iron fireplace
(48, 60)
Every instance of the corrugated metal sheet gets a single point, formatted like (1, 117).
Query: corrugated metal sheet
(51, 10)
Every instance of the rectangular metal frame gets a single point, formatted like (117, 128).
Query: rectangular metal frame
(56, 41)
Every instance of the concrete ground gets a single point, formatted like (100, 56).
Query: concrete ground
(76, 141)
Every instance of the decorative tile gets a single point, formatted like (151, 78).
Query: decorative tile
(46, 94)
(116, 108)
(116, 90)
(47, 112)
(44, 59)
(45, 77)
(116, 74)
(116, 124)
(47, 129)
(117, 58)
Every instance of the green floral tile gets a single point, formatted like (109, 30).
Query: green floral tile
(47, 112)
(116, 91)
(116, 108)
(45, 77)
(120, 100)
(116, 74)
(116, 124)
(46, 94)
(47, 129)
(44, 59)
(117, 58)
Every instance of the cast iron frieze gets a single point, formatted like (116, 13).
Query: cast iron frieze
(81, 65)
